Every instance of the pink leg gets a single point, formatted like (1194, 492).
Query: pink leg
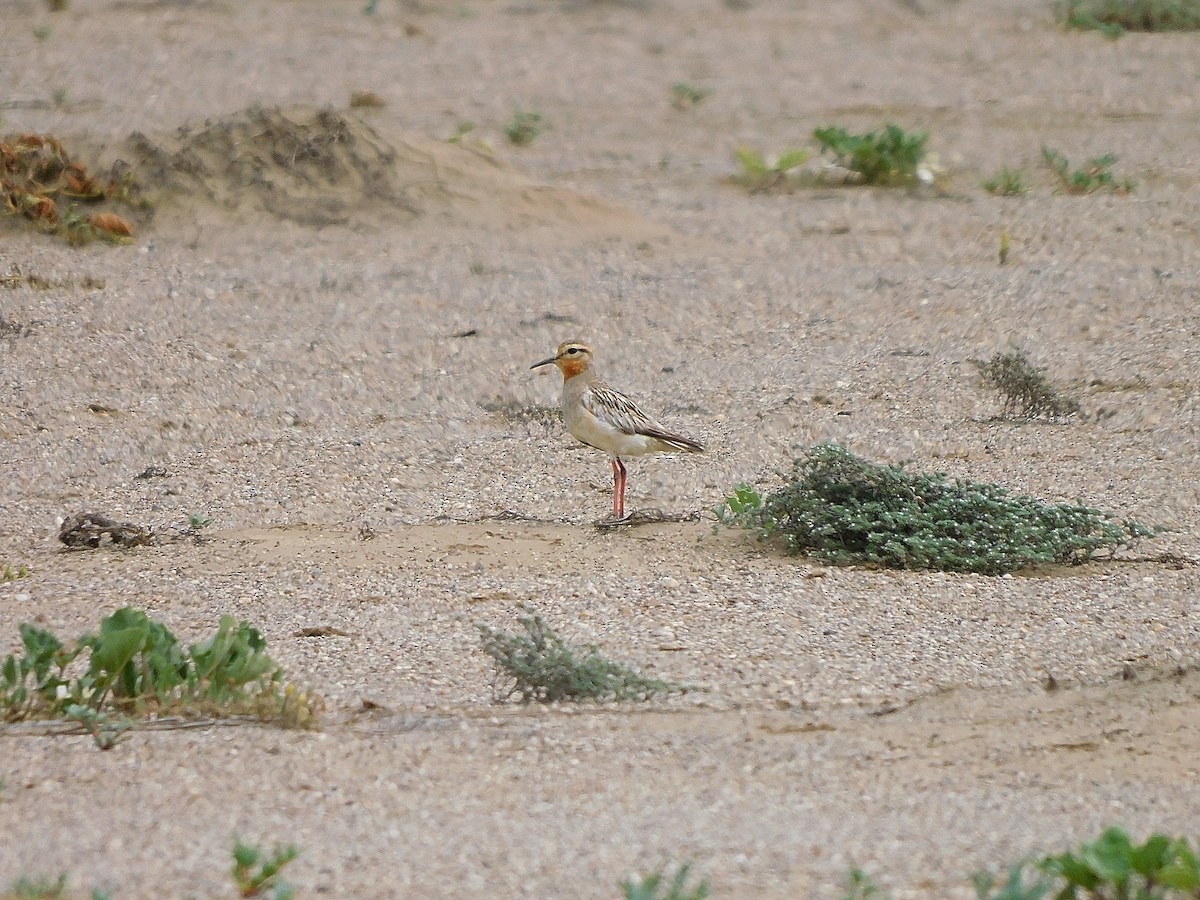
(621, 507)
(616, 486)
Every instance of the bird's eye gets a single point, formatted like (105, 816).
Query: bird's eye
(572, 351)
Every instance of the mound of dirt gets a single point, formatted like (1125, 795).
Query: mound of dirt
(319, 168)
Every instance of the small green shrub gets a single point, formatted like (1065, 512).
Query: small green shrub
(42, 888)
(759, 174)
(1115, 17)
(199, 521)
(1094, 176)
(539, 665)
(887, 157)
(845, 509)
(1006, 183)
(1026, 390)
(256, 873)
(136, 665)
(686, 96)
(13, 573)
(38, 888)
(105, 728)
(1016, 886)
(861, 886)
(461, 130)
(655, 886)
(524, 128)
(1112, 867)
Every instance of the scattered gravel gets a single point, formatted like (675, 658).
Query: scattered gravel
(352, 406)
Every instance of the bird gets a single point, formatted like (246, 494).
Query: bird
(607, 420)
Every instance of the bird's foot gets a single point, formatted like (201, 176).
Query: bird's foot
(649, 516)
(612, 520)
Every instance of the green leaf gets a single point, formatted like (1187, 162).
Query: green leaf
(1111, 856)
(232, 659)
(111, 659)
(245, 855)
(1073, 869)
(1151, 856)
(1183, 871)
(751, 161)
(791, 159)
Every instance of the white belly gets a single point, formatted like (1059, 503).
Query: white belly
(599, 434)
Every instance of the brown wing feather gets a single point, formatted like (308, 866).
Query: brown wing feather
(619, 411)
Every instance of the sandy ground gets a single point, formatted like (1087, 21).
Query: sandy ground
(316, 353)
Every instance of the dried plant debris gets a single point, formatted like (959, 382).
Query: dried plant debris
(1027, 392)
(42, 184)
(523, 413)
(17, 278)
(89, 530)
(315, 168)
(9, 328)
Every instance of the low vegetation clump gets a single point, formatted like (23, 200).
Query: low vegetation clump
(844, 509)
(539, 665)
(656, 886)
(888, 157)
(1112, 867)
(461, 130)
(257, 873)
(1115, 17)
(1006, 183)
(135, 666)
(9, 572)
(524, 128)
(1094, 175)
(686, 96)
(42, 184)
(861, 886)
(1027, 392)
(760, 174)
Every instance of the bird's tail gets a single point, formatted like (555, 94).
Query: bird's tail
(677, 441)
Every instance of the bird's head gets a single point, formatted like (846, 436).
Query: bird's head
(572, 357)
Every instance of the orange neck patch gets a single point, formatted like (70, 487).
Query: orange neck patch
(570, 367)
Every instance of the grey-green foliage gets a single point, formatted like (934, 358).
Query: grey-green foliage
(656, 886)
(844, 509)
(539, 665)
(1026, 390)
(1115, 17)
